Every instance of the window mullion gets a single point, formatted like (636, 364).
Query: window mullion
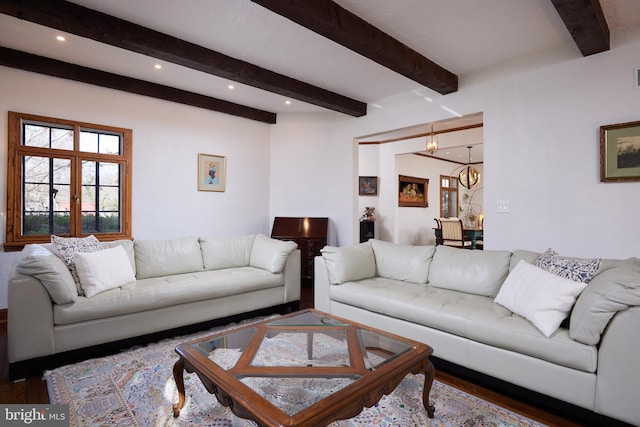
(76, 186)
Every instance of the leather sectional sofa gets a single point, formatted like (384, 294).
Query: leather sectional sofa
(164, 284)
(446, 297)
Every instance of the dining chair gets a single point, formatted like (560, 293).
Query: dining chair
(453, 233)
(438, 231)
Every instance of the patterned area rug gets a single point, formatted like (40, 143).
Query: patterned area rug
(136, 388)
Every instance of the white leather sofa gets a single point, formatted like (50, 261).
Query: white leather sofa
(445, 297)
(177, 282)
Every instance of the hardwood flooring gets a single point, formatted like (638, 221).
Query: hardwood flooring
(34, 389)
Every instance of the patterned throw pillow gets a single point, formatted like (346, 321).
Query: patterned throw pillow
(69, 246)
(576, 269)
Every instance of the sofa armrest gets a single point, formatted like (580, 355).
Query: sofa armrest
(618, 374)
(29, 335)
(321, 283)
(292, 277)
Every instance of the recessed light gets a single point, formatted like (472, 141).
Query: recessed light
(287, 102)
(60, 38)
(157, 67)
(231, 87)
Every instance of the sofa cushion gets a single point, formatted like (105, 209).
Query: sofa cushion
(576, 269)
(103, 270)
(539, 296)
(226, 252)
(168, 291)
(521, 254)
(349, 263)
(610, 291)
(270, 254)
(127, 245)
(466, 315)
(155, 258)
(402, 262)
(39, 262)
(475, 272)
(67, 247)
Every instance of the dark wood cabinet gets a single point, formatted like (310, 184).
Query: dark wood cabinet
(309, 233)
(367, 231)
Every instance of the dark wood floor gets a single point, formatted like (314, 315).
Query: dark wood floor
(34, 389)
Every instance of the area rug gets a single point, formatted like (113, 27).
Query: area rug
(136, 388)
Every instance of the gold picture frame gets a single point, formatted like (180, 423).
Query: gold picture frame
(212, 172)
(413, 192)
(620, 152)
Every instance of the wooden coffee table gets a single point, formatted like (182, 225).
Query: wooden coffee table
(307, 368)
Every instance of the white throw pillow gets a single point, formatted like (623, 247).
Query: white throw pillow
(539, 296)
(103, 270)
(349, 263)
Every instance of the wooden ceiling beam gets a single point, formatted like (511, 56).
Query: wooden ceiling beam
(332, 21)
(98, 26)
(586, 22)
(52, 67)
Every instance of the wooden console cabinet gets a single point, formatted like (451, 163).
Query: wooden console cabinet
(309, 233)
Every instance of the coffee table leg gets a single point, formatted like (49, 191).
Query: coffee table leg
(178, 372)
(309, 345)
(429, 374)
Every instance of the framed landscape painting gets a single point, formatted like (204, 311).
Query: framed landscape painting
(412, 192)
(620, 152)
(212, 171)
(368, 185)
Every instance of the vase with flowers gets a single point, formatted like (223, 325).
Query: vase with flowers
(369, 214)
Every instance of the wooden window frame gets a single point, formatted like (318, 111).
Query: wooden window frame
(450, 190)
(15, 240)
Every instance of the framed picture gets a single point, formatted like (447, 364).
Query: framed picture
(620, 152)
(413, 192)
(368, 185)
(212, 171)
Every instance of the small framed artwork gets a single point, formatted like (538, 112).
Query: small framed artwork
(368, 185)
(212, 171)
(413, 192)
(620, 152)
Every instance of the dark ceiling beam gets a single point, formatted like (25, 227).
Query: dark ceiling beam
(52, 67)
(343, 27)
(586, 22)
(98, 26)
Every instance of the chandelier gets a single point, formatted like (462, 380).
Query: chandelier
(469, 176)
(432, 142)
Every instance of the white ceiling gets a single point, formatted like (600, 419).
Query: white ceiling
(463, 36)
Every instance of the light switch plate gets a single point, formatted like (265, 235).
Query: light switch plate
(502, 206)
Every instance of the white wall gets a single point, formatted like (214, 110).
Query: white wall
(167, 138)
(309, 176)
(541, 150)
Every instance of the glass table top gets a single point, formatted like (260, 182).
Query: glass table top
(296, 361)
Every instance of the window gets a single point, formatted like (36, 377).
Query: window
(448, 196)
(66, 178)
